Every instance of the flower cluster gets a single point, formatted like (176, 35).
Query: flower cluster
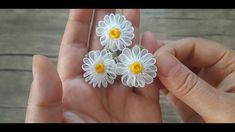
(135, 65)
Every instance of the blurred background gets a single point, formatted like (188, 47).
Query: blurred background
(24, 33)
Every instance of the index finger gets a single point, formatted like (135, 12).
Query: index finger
(74, 43)
(133, 15)
(196, 52)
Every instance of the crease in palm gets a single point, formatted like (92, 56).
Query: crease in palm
(81, 101)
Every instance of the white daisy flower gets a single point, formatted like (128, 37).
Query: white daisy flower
(136, 66)
(99, 68)
(115, 32)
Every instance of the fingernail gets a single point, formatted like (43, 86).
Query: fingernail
(34, 65)
(166, 63)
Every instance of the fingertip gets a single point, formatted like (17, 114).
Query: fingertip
(150, 42)
(133, 15)
(41, 65)
(45, 97)
(46, 80)
(34, 65)
(81, 15)
(166, 64)
(39, 61)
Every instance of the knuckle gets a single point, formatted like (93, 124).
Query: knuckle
(188, 84)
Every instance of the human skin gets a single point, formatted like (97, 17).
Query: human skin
(196, 75)
(64, 96)
(198, 78)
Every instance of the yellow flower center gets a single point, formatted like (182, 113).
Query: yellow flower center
(114, 33)
(99, 67)
(136, 67)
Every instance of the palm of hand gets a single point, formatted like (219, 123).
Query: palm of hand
(115, 103)
(62, 95)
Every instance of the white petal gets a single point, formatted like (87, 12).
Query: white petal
(129, 30)
(102, 24)
(108, 59)
(141, 81)
(121, 42)
(123, 58)
(96, 83)
(121, 20)
(112, 75)
(92, 55)
(135, 82)
(128, 25)
(130, 80)
(148, 79)
(121, 68)
(112, 18)
(104, 83)
(126, 37)
(152, 74)
(99, 31)
(129, 35)
(97, 55)
(107, 19)
(117, 17)
(109, 80)
(127, 41)
(127, 52)
(122, 25)
(87, 78)
(113, 45)
(124, 79)
(143, 52)
(87, 61)
(103, 39)
(85, 67)
(151, 67)
(105, 43)
(146, 57)
(104, 52)
(136, 51)
(150, 61)
(121, 45)
(88, 73)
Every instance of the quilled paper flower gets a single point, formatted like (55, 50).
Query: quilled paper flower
(136, 66)
(115, 32)
(99, 68)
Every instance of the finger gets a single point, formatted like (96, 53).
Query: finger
(194, 51)
(133, 15)
(228, 84)
(187, 86)
(95, 44)
(74, 43)
(151, 44)
(45, 98)
(201, 53)
(99, 15)
(187, 114)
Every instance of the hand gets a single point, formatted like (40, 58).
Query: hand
(198, 76)
(66, 97)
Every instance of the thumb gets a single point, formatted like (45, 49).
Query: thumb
(187, 86)
(45, 98)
